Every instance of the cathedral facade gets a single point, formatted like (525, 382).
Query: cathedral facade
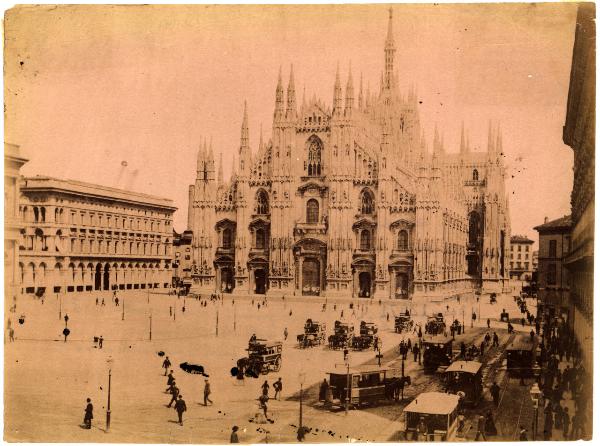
(347, 200)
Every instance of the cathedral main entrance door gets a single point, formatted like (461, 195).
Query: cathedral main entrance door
(364, 282)
(311, 277)
(227, 282)
(260, 281)
(401, 286)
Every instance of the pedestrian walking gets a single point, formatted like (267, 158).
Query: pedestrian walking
(166, 364)
(480, 428)
(100, 341)
(170, 380)
(66, 319)
(532, 335)
(263, 403)
(265, 388)
(174, 391)
(463, 350)
(523, 434)
(566, 423)
(488, 323)
(102, 304)
(490, 426)
(523, 321)
(116, 301)
(548, 423)
(345, 354)
(96, 301)
(234, 436)
(180, 407)
(285, 334)
(89, 414)
(482, 347)
(495, 391)
(207, 393)
(495, 340)
(278, 387)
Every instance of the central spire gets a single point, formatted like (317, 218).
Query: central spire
(389, 50)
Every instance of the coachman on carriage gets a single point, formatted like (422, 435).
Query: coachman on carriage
(342, 335)
(263, 356)
(314, 334)
(368, 336)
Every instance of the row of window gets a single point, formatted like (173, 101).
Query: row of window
(40, 243)
(37, 214)
(518, 265)
(512, 247)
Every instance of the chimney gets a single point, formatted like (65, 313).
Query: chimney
(545, 220)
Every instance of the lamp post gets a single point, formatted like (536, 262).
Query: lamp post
(301, 380)
(150, 326)
(123, 310)
(59, 307)
(109, 362)
(535, 393)
(347, 383)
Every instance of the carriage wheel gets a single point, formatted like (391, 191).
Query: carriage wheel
(277, 365)
(265, 369)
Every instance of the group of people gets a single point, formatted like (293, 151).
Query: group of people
(176, 397)
(264, 397)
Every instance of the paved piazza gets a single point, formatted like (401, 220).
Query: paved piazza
(51, 379)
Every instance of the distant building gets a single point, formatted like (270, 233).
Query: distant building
(579, 134)
(86, 237)
(182, 258)
(13, 223)
(535, 260)
(553, 276)
(347, 200)
(521, 258)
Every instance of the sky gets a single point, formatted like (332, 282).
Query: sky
(124, 95)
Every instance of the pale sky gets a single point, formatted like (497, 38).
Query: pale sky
(87, 88)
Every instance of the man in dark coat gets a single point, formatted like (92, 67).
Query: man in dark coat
(170, 380)
(180, 407)
(174, 391)
(89, 414)
(495, 391)
(323, 390)
(166, 364)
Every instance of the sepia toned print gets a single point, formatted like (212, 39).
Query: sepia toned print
(277, 224)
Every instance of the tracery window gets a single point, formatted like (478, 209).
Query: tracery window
(366, 202)
(475, 175)
(226, 238)
(365, 240)
(403, 240)
(313, 165)
(262, 203)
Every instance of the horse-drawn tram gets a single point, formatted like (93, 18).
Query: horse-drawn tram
(432, 416)
(437, 351)
(465, 377)
(369, 384)
(263, 357)
(314, 334)
(521, 357)
(402, 323)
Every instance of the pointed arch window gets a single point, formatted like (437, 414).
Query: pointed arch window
(365, 240)
(366, 202)
(312, 211)
(475, 175)
(313, 164)
(262, 203)
(260, 239)
(403, 240)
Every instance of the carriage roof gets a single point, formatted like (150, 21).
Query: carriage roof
(439, 339)
(263, 343)
(523, 343)
(360, 370)
(472, 367)
(435, 403)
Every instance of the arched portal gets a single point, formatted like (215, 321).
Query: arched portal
(227, 282)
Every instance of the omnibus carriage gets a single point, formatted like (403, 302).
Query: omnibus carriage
(263, 356)
(521, 357)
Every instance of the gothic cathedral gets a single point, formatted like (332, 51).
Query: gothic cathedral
(347, 201)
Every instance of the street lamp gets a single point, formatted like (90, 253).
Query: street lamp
(535, 393)
(123, 310)
(301, 380)
(109, 362)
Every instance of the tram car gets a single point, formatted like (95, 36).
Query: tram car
(314, 334)
(263, 357)
(437, 351)
(432, 416)
(367, 337)
(369, 384)
(435, 325)
(465, 377)
(342, 335)
(521, 357)
(403, 323)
